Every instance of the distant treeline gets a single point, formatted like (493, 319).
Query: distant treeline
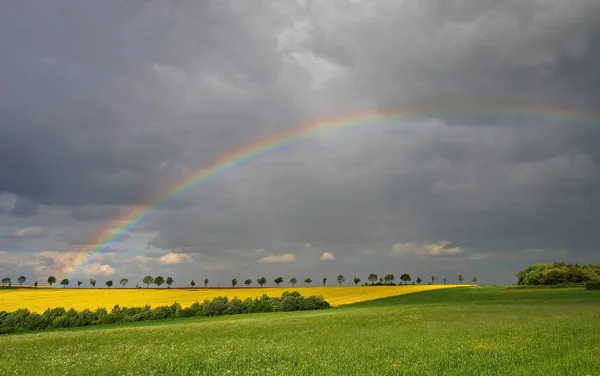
(559, 273)
(22, 320)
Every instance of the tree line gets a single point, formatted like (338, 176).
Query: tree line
(373, 280)
(559, 273)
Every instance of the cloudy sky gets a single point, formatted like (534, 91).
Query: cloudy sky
(104, 103)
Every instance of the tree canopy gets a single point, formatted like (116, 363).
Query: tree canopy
(558, 272)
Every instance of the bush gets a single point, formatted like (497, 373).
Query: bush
(558, 273)
(22, 320)
(592, 286)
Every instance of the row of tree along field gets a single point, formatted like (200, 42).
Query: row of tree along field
(23, 320)
(374, 279)
(559, 273)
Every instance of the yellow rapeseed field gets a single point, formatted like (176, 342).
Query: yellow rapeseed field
(38, 300)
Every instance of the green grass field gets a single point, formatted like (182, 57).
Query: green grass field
(465, 331)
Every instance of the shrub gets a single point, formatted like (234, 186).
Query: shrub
(214, 307)
(235, 306)
(592, 286)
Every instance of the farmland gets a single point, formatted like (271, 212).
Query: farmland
(38, 300)
(463, 331)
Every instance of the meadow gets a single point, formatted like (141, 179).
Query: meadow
(38, 300)
(461, 331)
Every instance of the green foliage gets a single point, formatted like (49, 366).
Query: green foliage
(309, 281)
(159, 280)
(248, 282)
(64, 282)
(419, 280)
(261, 281)
(22, 320)
(340, 279)
(192, 283)
(474, 279)
(5, 281)
(558, 273)
(205, 282)
(356, 280)
(21, 280)
(35, 284)
(148, 280)
(405, 278)
(93, 282)
(169, 281)
(324, 280)
(592, 286)
(123, 282)
(277, 281)
(389, 279)
(460, 278)
(51, 280)
(373, 278)
(234, 282)
(293, 281)
(432, 279)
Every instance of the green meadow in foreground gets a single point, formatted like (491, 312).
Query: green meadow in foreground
(464, 331)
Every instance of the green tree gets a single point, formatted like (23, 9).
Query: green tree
(79, 283)
(293, 281)
(277, 281)
(444, 281)
(419, 280)
(432, 279)
(123, 282)
(147, 281)
(405, 278)
(373, 278)
(389, 279)
(109, 283)
(93, 282)
(356, 280)
(5, 281)
(64, 282)
(261, 281)
(205, 282)
(159, 280)
(51, 280)
(233, 282)
(248, 282)
(35, 284)
(307, 281)
(169, 282)
(192, 283)
(460, 278)
(340, 279)
(324, 280)
(21, 280)
(474, 279)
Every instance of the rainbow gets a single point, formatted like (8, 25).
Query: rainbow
(117, 229)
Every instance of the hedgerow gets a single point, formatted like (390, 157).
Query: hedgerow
(22, 320)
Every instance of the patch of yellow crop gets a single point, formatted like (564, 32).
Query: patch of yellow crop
(38, 300)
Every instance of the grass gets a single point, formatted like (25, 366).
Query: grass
(38, 300)
(465, 331)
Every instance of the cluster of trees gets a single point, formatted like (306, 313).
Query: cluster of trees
(23, 320)
(558, 273)
(374, 279)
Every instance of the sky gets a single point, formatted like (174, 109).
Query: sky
(104, 104)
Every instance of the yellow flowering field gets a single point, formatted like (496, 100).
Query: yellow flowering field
(38, 300)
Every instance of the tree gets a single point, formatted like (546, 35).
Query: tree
(5, 281)
(277, 281)
(147, 281)
(389, 279)
(324, 280)
(192, 283)
(340, 279)
(205, 282)
(51, 280)
(233, 282)
(123, 282)
(474, 279)
(93, 282)
(356, 280)
(21, 280)
(460, 278)
(169, 281)
(444, 281)
(64, 282)
(35, 284)
(307, 281)
(432, 279)
(419, 280)
(109, 283)
(248, 282)
(159, 280)
(373, 278)
(79, 283)
(261, 281)
(293, 281)
(405, 278)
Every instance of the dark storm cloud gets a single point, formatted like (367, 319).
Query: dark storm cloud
(103, 106)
